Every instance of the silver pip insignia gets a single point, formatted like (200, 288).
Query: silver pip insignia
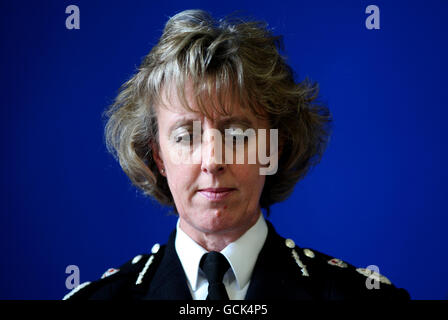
(337, 262)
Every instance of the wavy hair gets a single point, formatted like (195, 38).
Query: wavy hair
(219, 58)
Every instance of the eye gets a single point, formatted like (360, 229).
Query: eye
(186, 139)
(182, 136)
(234, 131)
(235, 134)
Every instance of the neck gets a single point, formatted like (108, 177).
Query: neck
(216, 240)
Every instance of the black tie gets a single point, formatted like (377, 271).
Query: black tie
(215, 265)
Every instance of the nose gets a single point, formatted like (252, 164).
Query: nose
(212, 155)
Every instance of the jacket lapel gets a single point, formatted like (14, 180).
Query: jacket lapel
(169, 281)
(275, 275)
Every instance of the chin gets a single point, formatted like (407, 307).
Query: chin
(219, 224)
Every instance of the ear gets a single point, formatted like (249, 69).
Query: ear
(158, 158)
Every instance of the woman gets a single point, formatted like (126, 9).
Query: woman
(190, 129)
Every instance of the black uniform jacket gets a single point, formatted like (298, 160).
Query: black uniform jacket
(283, 271)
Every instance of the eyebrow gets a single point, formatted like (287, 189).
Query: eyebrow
(182, 122)
(242, 120)
(238, 120)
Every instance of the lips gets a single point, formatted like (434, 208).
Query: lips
(216, 194)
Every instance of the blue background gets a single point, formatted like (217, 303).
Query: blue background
(378, 196)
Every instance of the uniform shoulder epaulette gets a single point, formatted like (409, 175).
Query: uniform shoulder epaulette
(340, 279)
(132, 272)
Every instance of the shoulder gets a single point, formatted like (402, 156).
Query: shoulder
(119, 283)
(335, 279)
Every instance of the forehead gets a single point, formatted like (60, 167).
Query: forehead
(184, 103)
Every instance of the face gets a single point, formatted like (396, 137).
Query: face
(210, 197)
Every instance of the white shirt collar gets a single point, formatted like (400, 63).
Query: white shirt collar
(190, 254)
(241, 254)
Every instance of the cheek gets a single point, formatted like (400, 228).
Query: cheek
(182, 179)
(180, 176)
(259, 182)
(250, 179)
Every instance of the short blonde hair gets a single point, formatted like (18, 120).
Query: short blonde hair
(220, 58)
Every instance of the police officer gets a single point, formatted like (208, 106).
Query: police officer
(214, 125)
